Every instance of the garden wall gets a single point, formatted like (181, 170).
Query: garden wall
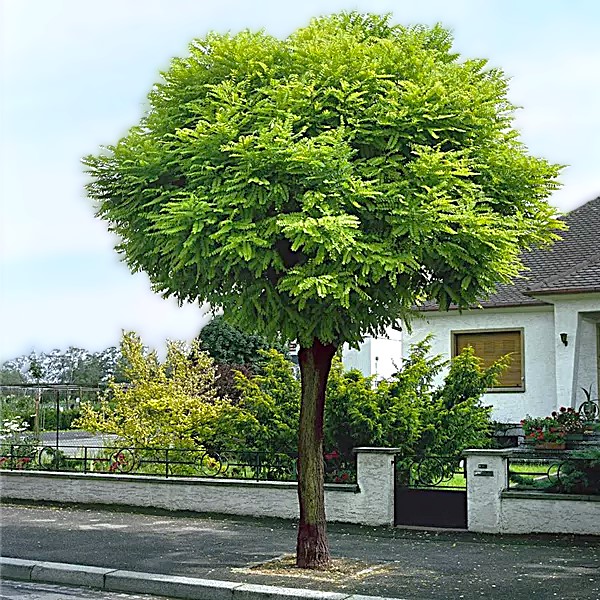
(370, 501)
(534, 512)
(493, 508)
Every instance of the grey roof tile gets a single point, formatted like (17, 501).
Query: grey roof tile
(571, 265)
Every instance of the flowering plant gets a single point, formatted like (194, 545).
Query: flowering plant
(338, 470)
(553, 428)
(569, 419)
(17, 444)
(543, 429)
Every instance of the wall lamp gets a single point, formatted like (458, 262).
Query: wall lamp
(563, 339)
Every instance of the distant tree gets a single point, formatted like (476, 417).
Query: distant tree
(94, 368)
(229, 344)
(71, 366)
(36, 369)
(11, 376)
(318, 187)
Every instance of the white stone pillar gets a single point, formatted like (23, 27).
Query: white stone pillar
(487, 478)
(375, 478)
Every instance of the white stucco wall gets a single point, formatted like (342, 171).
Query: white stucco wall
(546, 513)
(586, 364)
(381, 356)
(576, 366)
(370, 502)
(539, 396)
(358, 358)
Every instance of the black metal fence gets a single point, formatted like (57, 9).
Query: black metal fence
(431, 472)
(563, 474)
(170, 462)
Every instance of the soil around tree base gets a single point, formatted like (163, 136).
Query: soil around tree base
(338, 570)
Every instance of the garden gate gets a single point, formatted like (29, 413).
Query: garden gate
(430, 491)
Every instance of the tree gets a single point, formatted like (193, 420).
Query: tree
(231, 345)
(71, 366)
(166, 404)
(10, 375)
(318, 187)
(233, 351)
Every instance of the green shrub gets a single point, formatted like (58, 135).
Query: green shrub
(169, 404)
(270, 402)
(408, 411)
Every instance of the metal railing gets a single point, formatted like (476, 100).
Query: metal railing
(565, 473)
(447, 472)
(169, 462)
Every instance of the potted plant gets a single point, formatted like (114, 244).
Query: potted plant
(589, 409)
(545, 433)
(571, 422)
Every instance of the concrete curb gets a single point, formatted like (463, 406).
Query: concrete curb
(190, 588)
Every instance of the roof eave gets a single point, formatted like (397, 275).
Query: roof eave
(552, 291)
(484, 305)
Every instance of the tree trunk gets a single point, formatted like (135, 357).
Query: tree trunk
(312, 549)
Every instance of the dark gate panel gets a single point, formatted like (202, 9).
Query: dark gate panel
(431, 492)
(431, 507)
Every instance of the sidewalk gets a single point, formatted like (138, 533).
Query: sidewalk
(409, 564)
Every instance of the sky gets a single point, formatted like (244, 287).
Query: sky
(75, 75)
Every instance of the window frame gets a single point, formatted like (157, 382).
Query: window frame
(521, 330)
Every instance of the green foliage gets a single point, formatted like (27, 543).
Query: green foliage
(321, 185)
(66, 418)
(228, 344)
(454, 418)
(168, 404)
(273, 400)
(35, 369)
(407, 411)
(74, 365)
(11, 376)
(575, 473)
(352, 415)
(20, 407)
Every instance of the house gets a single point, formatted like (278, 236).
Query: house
(548, 319)
(378, 356)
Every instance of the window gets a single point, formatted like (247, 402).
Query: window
(489, 346)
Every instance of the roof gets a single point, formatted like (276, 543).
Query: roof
(570, 265)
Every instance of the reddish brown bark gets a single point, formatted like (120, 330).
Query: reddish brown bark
(312, 549)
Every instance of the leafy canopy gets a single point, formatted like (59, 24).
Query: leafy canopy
(320, 185)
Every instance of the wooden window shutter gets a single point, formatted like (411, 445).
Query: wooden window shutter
(489, 346)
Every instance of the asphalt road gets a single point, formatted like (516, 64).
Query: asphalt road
(25, 590)
(418, 565)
